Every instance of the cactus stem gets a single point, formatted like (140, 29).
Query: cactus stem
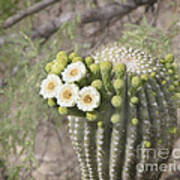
(90, 149)
(146, 134)
(132, 140)
(119, 135)
(76, 128)
(101, 151)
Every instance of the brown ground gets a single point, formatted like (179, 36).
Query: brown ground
(54, 152)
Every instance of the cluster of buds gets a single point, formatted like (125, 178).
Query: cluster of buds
(116, 100)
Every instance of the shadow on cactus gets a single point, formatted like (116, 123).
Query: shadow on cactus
(119, 107)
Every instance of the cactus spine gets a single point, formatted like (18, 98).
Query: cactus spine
(122, 110)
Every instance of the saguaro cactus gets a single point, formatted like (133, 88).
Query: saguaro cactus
(120, 109)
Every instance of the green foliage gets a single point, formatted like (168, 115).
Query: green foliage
(8, 7)
(21, 107)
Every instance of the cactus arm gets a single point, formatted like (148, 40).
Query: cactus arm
(117, 151)
(164, 115)
(90, 148)
(153, 113)
(146, 135)
(159, 128)
(71, 121)
(132, 140)
(118, 131)
(101, 151)
(76, 128)
(171, 106)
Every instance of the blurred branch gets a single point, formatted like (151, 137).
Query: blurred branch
(156, 14)
(24, 13)
(104, 13)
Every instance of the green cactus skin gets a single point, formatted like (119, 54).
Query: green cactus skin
(131, 143)
(76, 129)
(90, 148)
(136, 113)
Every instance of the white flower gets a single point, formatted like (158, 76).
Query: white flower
(50, 86)
(67, 95)
(74, 72)
(89, 99)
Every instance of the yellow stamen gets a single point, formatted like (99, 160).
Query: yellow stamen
(87, 99)
(51, 86)
(74, 72)
(67, 94)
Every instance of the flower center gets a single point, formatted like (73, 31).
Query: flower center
(67, 94)
(87, 99)
(74, 72)
(51, 86)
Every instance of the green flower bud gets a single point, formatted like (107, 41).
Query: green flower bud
(98, 84)
(89, 60)
(94, 68)
(136, 81)
(118, 84)
(135, 121)
(100, 124)
(177, 95)
(48, 67)
(76, 59)
(147, 144)
(173, 130)
(134, 100)
(120, 70)
(162, 61)
(176, 77)
(176, 83)
(51, 102)
(57, 68)
(168, 78)
(115, 118)
(92, 116)
(73, 55)
(144, 77)
(154, 94)
(61, 54)
(153, 74)
(105, 66)
(171, 88)
(116, 101)
(175, 67)
(62, 60)
(170, 71)
(169, 58)
(168, 65)
(63, 110)
(164, 82)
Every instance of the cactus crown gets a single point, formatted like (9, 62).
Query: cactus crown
(105, 71)
(118, 99)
